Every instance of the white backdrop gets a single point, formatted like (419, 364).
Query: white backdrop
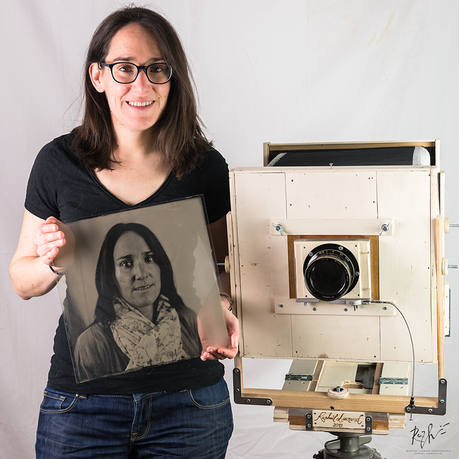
(266, 70)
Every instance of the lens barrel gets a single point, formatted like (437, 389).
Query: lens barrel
(330, 272)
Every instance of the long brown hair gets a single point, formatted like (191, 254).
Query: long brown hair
(179, 133)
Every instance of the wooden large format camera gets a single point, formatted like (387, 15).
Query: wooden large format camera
(337, 262)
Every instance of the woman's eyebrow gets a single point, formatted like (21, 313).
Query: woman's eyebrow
(131, 58)
(124, 257)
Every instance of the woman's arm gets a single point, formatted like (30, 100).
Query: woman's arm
(42, 243)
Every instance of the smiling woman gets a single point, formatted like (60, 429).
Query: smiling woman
(140, 143)
(140, 318)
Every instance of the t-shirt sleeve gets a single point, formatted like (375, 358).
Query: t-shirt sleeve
(41, 194)
(217, 195)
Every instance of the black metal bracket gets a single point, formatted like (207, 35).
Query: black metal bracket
(237, 384)
(438, 410)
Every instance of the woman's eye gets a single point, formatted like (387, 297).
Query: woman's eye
(125, 68)
(158, 68)
(149, 259)
(126, 264)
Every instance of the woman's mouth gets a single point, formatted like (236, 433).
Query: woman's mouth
(144, 287)
(140, 104)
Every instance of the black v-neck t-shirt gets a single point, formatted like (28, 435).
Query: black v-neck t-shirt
(61, 186)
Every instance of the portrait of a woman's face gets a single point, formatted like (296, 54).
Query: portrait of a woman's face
(136, 272)
(141, 282)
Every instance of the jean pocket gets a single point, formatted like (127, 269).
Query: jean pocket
(210, 397)
(57, 402)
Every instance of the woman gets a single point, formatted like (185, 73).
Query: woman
(140, 144)
(140, 318)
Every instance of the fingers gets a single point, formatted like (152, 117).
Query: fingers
(47, 229)
(48, 244)
(206, 355)
(49, 239)
(212, 353)
(222, 353)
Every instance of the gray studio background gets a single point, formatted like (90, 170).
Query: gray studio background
(266, 70)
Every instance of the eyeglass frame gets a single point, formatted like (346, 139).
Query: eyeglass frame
(139, 68)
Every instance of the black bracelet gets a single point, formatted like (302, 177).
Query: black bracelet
(55, 272)
(230, 301)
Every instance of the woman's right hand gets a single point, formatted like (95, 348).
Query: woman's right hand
(55, 244)
(42, 243)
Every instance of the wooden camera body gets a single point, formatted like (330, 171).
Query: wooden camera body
(335, 251)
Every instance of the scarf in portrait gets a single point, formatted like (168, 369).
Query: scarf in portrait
(144, 342)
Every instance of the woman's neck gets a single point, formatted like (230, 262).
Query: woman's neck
(148, 312)
(138, 170)
(134, 146)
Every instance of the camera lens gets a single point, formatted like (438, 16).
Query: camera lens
(330, 272)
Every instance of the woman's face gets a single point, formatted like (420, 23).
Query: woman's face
(137, 274)
(137, 106)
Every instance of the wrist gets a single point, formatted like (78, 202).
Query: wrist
(57, 271)
(229, 300)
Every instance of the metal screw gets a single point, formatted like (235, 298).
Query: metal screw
(247, 400)
(345, 309)
(314, 309)
(442, 401)
(430, 410)
(385, 227)
(279, 228)
(281, 305)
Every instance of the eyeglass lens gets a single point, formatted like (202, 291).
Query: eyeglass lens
(125, 72)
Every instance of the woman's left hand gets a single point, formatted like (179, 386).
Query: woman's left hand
(213, 353)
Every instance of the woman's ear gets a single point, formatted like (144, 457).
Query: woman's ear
(95, 73)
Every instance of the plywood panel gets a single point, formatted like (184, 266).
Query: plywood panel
(263, 264)
(338, 337)
(404, 195)
(335, 193)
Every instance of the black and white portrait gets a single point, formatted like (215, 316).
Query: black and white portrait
(142, 290)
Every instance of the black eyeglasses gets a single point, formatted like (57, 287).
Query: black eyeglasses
(127, 72)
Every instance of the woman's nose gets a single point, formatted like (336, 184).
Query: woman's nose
(141, 82)
(140, 270)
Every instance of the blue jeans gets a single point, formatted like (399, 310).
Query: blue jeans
(193, 424)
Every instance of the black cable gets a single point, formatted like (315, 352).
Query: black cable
(411, 338)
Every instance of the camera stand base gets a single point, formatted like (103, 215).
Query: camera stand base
(348, 445)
